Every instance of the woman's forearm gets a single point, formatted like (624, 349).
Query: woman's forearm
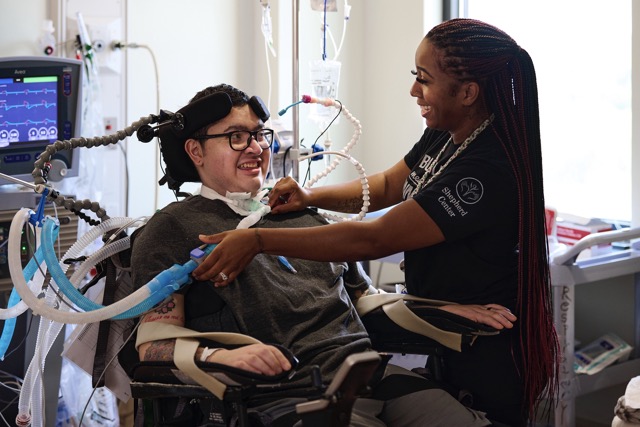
(347, 197)
(404, 227)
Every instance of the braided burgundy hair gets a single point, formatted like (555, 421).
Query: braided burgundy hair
(474, 50)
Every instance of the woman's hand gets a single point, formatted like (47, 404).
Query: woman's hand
(235, 249)
(493, 315)
(288, 196)
(259, 358)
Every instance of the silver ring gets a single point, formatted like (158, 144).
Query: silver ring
(223, 276)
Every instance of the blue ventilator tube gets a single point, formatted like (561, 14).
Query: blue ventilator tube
(14, 298)
(160, 287)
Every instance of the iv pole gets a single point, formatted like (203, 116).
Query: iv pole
(295, 170)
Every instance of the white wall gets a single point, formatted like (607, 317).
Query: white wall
(20, 26)
(209, 42)
(635, 112)
(196, 43)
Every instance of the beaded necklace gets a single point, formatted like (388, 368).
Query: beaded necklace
(460, 149)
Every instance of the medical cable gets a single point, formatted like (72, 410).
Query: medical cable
(327, 145)
(324, 32)
(124, 45)
(46, 336)
(42, 268)
(102, 374)
(347, 16)
(267, 31)
(328, 102)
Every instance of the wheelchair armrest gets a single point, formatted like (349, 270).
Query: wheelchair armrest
(387, 335)
(450, 321)
(168, 373)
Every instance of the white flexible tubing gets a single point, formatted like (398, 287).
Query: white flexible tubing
(39, 307)
(76, 249)
(35, 285)
(110, 248)
(163, 283)
(32, 391)
(30, 404)
(100, 255)
(47, 334)
(363, 181)
(95, 232)
(23, 418)
(327, 102)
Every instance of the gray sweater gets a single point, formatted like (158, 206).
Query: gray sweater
(309, 312)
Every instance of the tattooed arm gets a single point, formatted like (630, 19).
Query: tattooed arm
(172, 313)
(258, 358)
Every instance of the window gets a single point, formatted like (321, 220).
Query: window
(582, 54)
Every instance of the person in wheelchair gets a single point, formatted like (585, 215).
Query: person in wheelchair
(466, 208)
(303, 306)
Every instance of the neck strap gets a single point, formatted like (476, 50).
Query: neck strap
(243, 204)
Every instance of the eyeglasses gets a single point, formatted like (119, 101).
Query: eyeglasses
(239, 140)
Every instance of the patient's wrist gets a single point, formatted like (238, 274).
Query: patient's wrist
(206, 352)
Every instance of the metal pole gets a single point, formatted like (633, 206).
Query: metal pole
(295, 169)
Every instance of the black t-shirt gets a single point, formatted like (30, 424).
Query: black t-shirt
(308, 312)
(474, 202)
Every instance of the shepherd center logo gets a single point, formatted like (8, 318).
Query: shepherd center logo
(469, 190)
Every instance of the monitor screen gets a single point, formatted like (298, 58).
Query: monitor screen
(40, 103)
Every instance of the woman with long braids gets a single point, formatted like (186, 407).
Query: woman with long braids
(468, 214)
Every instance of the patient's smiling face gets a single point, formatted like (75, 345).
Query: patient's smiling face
(224, 169)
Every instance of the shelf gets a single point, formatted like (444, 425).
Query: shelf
(567, 271)
(615, 264)
(619, 373)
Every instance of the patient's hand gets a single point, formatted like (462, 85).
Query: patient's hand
(258, 358)
(494, 315)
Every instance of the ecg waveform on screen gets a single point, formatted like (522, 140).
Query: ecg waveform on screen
(7, 92)
(28, 112)
(28, 105)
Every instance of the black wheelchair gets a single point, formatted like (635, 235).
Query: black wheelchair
(421, 328)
